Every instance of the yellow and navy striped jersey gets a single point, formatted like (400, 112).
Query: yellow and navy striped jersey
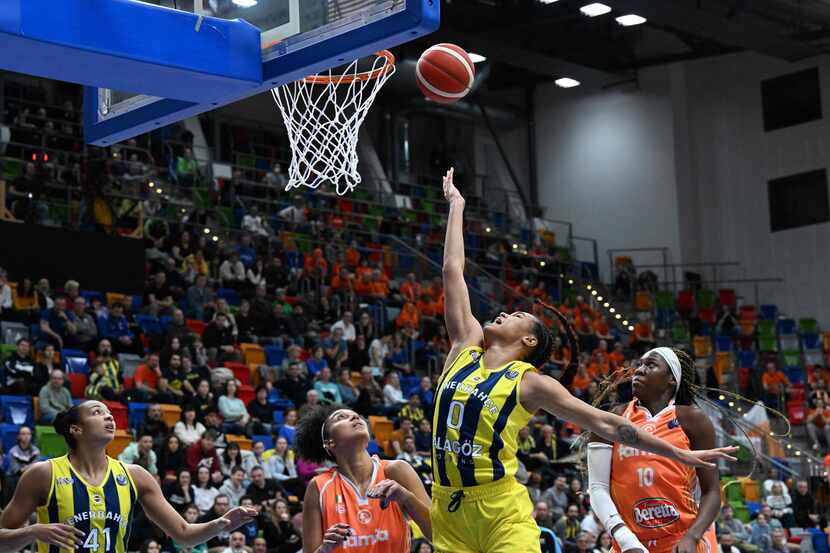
(476, 421)
(103, 513)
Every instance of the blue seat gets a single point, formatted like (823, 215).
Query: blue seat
(754, 507)
(373, 448)
(9, 435)
(72, 353)
(746, 359)
(34, 330)
(90, 295)
(266, 440)
(279, 417)
(165, 321)
(795, 374)
(136, 304)
(769, 312)
(75, 365)
(787, 327)
(274, 355)
(18, 410)
(811, 342)
(149, 324)
(723, 343)
(820, 544)
(229, 295)
(136, 413)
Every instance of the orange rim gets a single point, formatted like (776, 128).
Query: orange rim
(365, 76)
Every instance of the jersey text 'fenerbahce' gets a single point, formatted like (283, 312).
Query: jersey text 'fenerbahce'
(477, 419)
(103, 513)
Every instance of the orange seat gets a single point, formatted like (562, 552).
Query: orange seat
(171, 414)
(825, 340)
(643, 301)
(243, 441)
(253, 371)
(119, 443)
(749, 488)
(36, 408)
(382, 428)
(77, 384)
(253, 353)
(747, 327)
(723, 365)
(702, 346)
(114, 297)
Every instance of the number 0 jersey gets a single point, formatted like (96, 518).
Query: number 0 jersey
(476, 421)
(655, 495)
(103, 513)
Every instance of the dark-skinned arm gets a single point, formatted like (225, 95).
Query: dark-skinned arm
(543, 392)
(463, 329)
(701, 433)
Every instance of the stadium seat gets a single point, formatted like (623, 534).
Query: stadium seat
(747, 327)
(50, 443)
(791, 358)
(664, 300)
(119, 413)
(685, 302)
(279, 418)
(705, 299)
(746, 359)
(707, 315)
(786, 327)
(91, 295)
(642, 301)
(743, 378)
(747, 313)
(171, 414)
(241, 371)
(77, 383)
(702, 346)
(119, 443)
(149, 325)
(722, 366)
(9, 435)
(243, 441)
(253, 353)
(229, 295)
(789, 343)
(767, 343)
(723, 343)
(797, 393)
(136, 412)
(746, 343)
(726, 296)
(17, 410)
(198, 327)
(679, 332)
(266, 439)
(115, 297)
(811, 342)
(246, 393)
(77, 365)
(796, 412)
(807, 326)
(769, 312)
(274, 355)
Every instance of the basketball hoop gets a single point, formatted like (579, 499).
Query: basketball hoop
(323, 114)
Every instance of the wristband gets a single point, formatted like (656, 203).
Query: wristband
(626, 540)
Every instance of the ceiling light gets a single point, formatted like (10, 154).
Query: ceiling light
(588, 286)
(547, 1)
(245, 3)
(570, 281)
(618, 316)
(612, 310)
(215, 238)
(606, 305)
(542, 263)
(515, 246)
(595, 9)
(159, 191)
(731, 404)
(487, 229)
(721, 397)
(594, 292)
(599, 298)
(631, 328)
(566, 82)
(630, 20)
(798, 453)
(476, 58)
(625, 323)
(207, 230)
(152, 184)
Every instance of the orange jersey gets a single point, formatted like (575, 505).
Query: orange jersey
(376, 530)
(654, 495)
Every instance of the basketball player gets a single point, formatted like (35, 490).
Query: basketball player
(361, 504)
(488, 391)
(85, 500)
(651, 505)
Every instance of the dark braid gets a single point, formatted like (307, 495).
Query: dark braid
(685, 393)
(573, 342)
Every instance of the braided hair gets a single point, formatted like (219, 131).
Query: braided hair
(541, 353)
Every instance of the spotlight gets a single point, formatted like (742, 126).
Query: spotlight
(631, 329)
(542, 263)
(566, 82)
(630, 20)
(570, 281)
(595, 9)
(593, 292)
(588, 286)
(159, 191)
(612, 310)
(731, 404)
(152, 184)
(625, 323)
(606, 305)
(618, 316)
(721, 397)
(515, 246)
(207, 230)
(797, 453)
(599, 298)
(789, 446)
(215, 238)
(245, 3)
(487, 229)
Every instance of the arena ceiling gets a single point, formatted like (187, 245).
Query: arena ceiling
(531, 41)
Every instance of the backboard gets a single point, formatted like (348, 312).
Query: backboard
(296, 38)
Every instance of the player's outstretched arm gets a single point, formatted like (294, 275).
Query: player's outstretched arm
(463, 329)
(171, 522)
(405, 487)
(543, 392)
(32, 490)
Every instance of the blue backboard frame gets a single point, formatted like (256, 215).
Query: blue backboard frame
(419, 18)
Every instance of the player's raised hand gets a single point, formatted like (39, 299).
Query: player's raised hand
(335, 536)
(451, 193)
(389, 490)
(705, 458)
(60, 535)
(236, 517)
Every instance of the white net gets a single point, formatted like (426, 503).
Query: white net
(323, 114)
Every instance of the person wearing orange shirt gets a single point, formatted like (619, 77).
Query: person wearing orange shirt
(817, 421)
(352, 255)
(601, 329)
(581, 381)
(426, 306)
(599, 366)
(409, 316)
(775, 383)
(643, 338)
(146, 379)
(616, 357)
(363, 286)
(380, 284)
(411, 288)
(315, 262)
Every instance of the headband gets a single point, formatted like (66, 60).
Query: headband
(671, 359)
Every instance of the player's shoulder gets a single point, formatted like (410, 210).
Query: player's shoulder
(41, 471)
(691, 416)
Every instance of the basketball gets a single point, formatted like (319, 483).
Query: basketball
(445, 73)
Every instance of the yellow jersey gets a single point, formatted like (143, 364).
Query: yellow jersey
(476, 421)
(104, 513)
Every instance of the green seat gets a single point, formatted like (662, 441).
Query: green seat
(201, 198)
(564, 255)
(13, 169)
(226, 216)
(679, 332)
(741, 511)
(50, 443)
(734, 492)
(304, 245)
(792, 358)
(766, 329)
(246, 160)
(807, 326)
(6, 350)
(371, 224)
(665, 300)
(375, 210)
(429, 207)
(705, 299)
(767, 343)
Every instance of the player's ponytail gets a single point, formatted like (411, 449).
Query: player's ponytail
(64, 421)
(540, 355)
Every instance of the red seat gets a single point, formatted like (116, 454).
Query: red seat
(246, 393)
(797, 393)
(119, 413)
(796, 412)
(707, 315)
(747, 313)
(743, 378)
(77, 384)
(196, 326)
(726, 296)
(241, 371)
(746, 343)
(685, 302)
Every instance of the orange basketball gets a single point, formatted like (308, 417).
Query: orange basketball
(445, 73)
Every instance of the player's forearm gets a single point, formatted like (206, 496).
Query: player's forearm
(15, 539)
(620, 430)
(708, 511)
(190, 535)
(419, 512)
(454, 240)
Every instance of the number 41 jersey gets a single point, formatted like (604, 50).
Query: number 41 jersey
(103, 513)
(654, 495)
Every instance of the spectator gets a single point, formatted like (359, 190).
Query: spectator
(329, 391)
(173, 384)
(262, 489)
(294, 386)
(117, 329)
(56, 324)
(817, 421)
(729, 523)
(141, 453)
(178, 329)
(252, 222)
(542, 515)
(146, 379)
(111, 385)
(409, 454)
(781, 505)
(20, 457)
(251, 528)
(219, 339)
(294, 214)
(221, 505)
(187, 171)
(234, 487)
(203, 453)
(426, 393)
(188, 429)
(199, 297)
(203, 400)
(727, 323)
(5, 294)
(255, 275)
(761, 534)
(358, 354)
(804, 506)
(336, 348)
(245, 325)
(171, 458)
(775, 383)
(371, 397)
(154, 425)
(158, 296)
(190, 514)
(232, 272)
(346, 325)
(280, 467)
(568, 528)
(312, 400)
(180, 492)
(261, 411)
(727, 542)
(412, 409)
(408, 317)
(278, 531)
(366, 327)
(205, 493)
(86, 330)
(643, 337)
(557, 496)
(316, 362)
(231, 458)
(392, 393)
(779, 541)
(348, 391)
(288, 428)
(53, 397)
(423, 438)
(604, 544)
(20, 376)
(233, 410)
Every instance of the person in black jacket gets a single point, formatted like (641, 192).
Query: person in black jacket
(219, 340)
(277, 529)
(804, 506)
(261, 411)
